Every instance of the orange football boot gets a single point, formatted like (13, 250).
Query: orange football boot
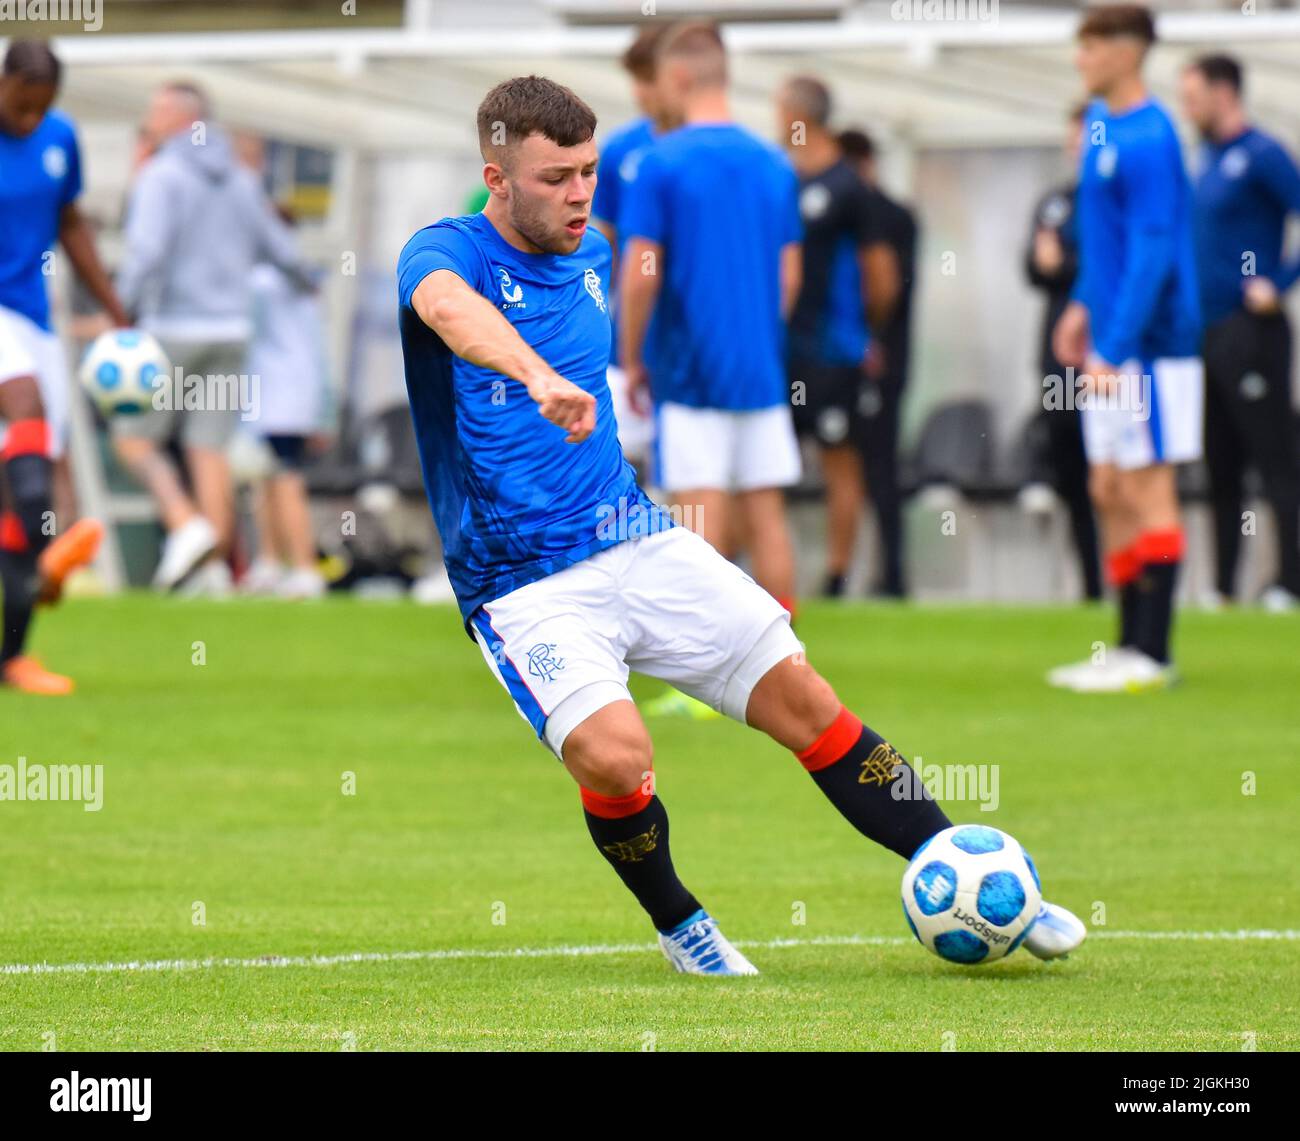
(27, 675)
(76, 547)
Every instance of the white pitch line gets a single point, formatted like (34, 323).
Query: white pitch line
(562, 952)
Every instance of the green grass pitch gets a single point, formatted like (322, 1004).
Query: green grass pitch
(226, 800)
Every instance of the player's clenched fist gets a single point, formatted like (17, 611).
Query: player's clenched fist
(562, 402)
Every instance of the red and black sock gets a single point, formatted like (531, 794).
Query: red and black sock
(1160, 554)
(1122, 569)
(23, 532)
(632, 834)
(873, 787)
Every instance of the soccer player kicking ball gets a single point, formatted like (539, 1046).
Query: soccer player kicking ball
(40, 179)
(1134, 324)
(567, 574)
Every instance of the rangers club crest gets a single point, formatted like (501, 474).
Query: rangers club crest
(591, 279)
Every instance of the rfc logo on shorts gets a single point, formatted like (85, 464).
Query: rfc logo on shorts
(591, 279)
(513, 294)
(543, 663)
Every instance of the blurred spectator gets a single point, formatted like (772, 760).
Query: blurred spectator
(287, 357)
(1245, 187)
(882, 401)
(850, 286)
(196, 225)
(1051, 262)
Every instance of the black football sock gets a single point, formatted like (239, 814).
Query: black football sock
(18, 581)
(834, 586)
(29, 476)
(1159, 581)
(1161, 554)
(632, 834)
(874, 789)
(1129, 603)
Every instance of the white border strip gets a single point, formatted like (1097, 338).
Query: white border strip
(139, 966)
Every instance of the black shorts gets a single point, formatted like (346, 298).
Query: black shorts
(824, 400)
(290, 451)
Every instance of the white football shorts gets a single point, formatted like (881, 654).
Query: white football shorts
(28, 350)
(667, 605)
(1155, 416)
(716, 449)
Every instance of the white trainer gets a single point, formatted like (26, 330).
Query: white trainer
(301, 585)
(697, 947)
(184, 549)
(1055, 933)
(1089, 672)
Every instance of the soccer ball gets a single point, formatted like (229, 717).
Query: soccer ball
(119, 368)
(971, 893)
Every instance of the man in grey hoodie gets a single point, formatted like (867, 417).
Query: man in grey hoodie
(197, 223)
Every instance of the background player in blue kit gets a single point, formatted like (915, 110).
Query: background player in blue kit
(711, 268)
(567, 575)
(1246, 185)
(620, 158)
(40, 181)
(1134, 328)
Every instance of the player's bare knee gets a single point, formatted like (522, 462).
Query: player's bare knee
(612, 762)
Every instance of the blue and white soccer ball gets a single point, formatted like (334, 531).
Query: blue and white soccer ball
(119, 370)
(971, 893)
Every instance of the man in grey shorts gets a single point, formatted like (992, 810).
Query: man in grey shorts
(197, 223)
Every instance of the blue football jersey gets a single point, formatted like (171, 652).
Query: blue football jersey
(1245, 188)
(1137, 257)
(39, 175)
(723, 204)
(513, 502)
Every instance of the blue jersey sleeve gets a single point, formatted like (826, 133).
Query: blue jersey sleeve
(1277, 173)
(791, 219)
(438, 247)
(609, 186)
(1150, 174)
(71, 189)
(644, 207)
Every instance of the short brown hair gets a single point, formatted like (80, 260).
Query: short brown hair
(639, 59)
(810, 97)
(699, 45)
(531, 105)
(1109, 21)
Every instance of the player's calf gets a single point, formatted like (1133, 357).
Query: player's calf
(859, 772)
(609, 754)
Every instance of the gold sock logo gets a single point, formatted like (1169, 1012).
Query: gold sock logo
(879, 768)
(636, 849)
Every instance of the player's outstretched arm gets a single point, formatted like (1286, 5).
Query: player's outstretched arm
(471, 327)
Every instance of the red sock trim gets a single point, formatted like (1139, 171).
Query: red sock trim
(831, 746)
(1161, 546)
(1123, 566)
(615, 807)
(787, 603)
(27, 438)
(12, 535)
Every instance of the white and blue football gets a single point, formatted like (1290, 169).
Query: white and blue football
(971, 893)
(122, 369)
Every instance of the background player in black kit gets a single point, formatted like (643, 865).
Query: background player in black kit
(850, 285)
(887, 368)
(1051, 263)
